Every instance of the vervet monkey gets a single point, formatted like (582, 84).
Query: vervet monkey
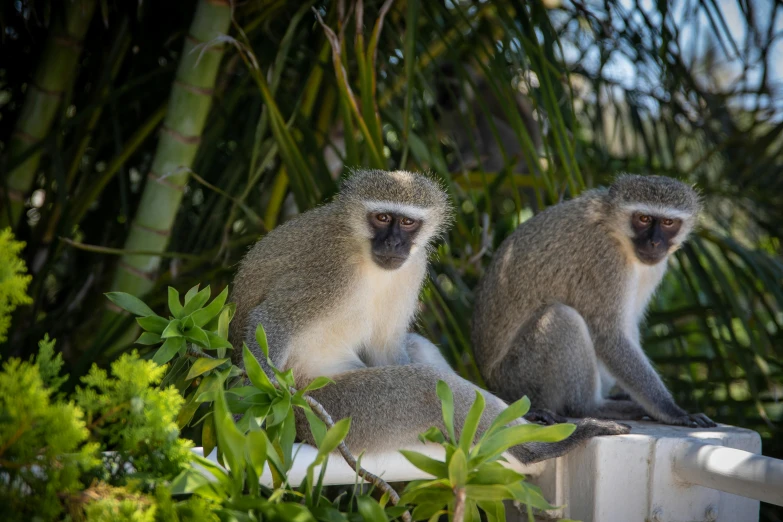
(557, 313)
(336, 289)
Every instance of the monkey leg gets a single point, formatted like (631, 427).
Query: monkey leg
(553, 362)
(390, 405)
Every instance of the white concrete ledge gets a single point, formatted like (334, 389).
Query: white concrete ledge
(732, 470)
(656, 473)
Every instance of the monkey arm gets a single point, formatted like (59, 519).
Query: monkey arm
(626, 361)
(421, 350)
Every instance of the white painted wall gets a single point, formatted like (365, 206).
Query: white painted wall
(627, 478)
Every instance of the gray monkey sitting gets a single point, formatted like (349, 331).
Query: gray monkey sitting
(336, 289)
(557, 313)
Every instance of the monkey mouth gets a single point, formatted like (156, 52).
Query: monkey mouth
(650, 258)
(389, 261)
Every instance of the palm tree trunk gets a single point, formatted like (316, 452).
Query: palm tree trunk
(189, 104)
(53, 77)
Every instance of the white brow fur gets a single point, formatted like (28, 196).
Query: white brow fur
(657, 210)
(411, 211)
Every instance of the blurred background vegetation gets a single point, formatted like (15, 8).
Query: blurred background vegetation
(147, 144)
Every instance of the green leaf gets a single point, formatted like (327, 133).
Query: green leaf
(434, 495)
(130, 303)
(447, 405)
(334, 436)
(495, 511)
(280, 408)
(217, 342)
(196, 302)
(432, 435)
(209, 385)
(286, 378)
(428, 510)
(257, 376)
(494, 473)
(256, 450)
(429, 465)
(496, 492)
(261, 340)
(188, 409)
(173, 329)
(208, 435)
(317, 426)
(198, 336)
(222, 330)
(243, 391)
(471, 423)
(520, 434)
(168, 350)
(370, 510)
(217, 471)
(191, 294)
(231, 442)
(513, 412)
(529, 494)
(206, 314)
(188, 481)
(203, 365)
(317, 384)
(458, 469)
(175, 306)
(148, 338)
(153, 323)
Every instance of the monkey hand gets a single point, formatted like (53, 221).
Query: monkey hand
(544, 416)
(589, 427)
(692, 420)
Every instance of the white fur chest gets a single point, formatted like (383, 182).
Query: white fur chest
(642, 282)
(372, 320)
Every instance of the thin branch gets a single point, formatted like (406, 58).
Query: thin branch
(121, 252)
(377, 481)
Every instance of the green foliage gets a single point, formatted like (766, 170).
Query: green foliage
(471, 474)
(131, 416)
(654, 89)
(569, 95)
(96, 454)
(13, 281)
(262, 442)
(44, 444)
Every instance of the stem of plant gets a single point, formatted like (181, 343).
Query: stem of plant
(459, 505)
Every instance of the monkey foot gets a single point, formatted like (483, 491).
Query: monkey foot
(544, 416)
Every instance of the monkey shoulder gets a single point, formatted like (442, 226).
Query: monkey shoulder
(298, 267)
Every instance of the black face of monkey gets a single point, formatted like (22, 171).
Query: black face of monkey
(653, 236)
(393, 236)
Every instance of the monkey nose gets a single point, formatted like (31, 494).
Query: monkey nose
(655, 242)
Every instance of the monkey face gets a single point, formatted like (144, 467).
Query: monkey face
(392, 238)
(653, 236)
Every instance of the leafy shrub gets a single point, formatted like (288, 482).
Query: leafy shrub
(101, 451)
(112, 451)
(471, 479)
(13, 281)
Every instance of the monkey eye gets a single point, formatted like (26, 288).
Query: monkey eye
(644, 219)
(667, 222)
(382, 218)
(408, 222)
